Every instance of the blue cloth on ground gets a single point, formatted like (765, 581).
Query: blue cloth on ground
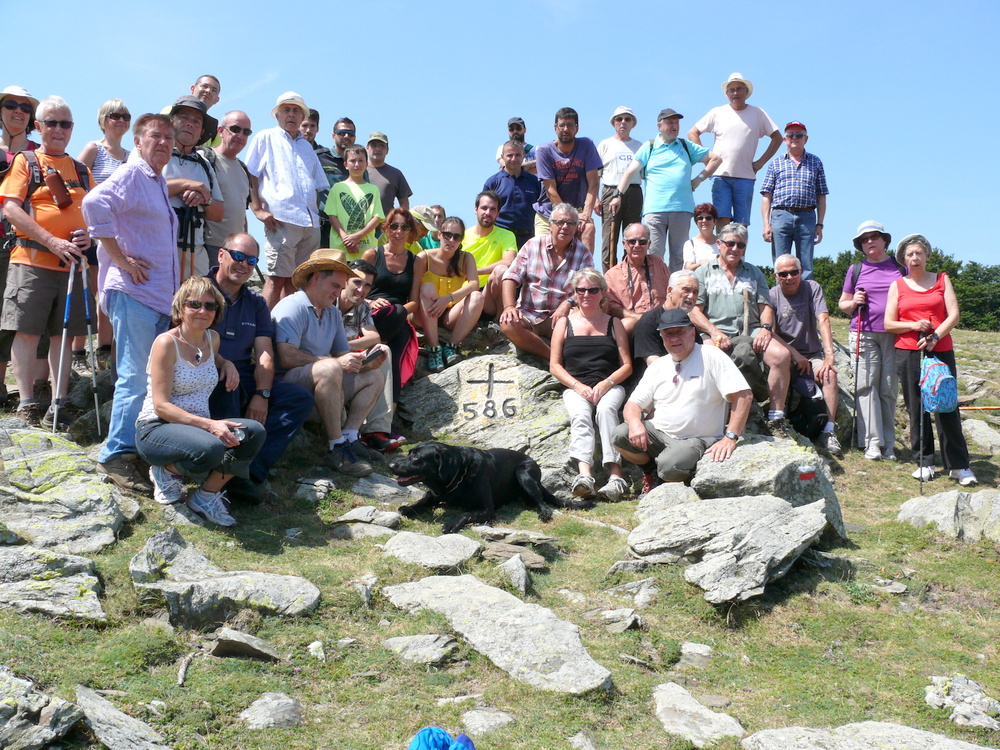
(435, 738)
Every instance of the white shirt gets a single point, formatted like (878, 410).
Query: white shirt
(289, 174)
(736, 135)
(617, 157)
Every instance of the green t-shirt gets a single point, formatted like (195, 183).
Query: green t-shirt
(353, 206)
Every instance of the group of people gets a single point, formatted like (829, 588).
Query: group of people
(213, 379)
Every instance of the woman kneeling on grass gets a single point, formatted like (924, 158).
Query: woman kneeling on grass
(174, 431)
(447, 285)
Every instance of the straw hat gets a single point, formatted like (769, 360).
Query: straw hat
(324, 259)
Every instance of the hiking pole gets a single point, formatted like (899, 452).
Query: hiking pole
(90, 341)
(184, 217)
(62, 347)
(192, 233)
(857, 366)
(920, 450)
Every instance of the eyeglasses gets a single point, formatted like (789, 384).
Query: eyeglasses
(345, 131)
(588, 290)
(622, 118)
(786, 274)
(734, 243)
(564, 223)
(795, 136)
(23, 106)
(706, 217)
(872, 236)
(197, 304)
(124, 116)
(250, 260)
(64, 124)
(637, 241)
(236, 130)
(394, 226)
(453, 236)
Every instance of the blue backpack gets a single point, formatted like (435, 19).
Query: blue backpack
(938, 389)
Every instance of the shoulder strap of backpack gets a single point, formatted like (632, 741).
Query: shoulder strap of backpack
(687, 150)
(855, 273)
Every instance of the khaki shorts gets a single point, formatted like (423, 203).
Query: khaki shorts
(35, 302)
(303, 376)
(288, 247)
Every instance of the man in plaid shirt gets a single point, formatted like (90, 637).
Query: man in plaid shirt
(541, 273)
(794, 201)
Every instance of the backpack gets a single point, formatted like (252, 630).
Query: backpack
(938, 388)
(35, 181)
(211, 156)
(652, 142)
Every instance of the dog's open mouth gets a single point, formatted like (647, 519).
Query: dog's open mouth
(408, 480)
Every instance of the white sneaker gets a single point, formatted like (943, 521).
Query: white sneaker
(924, 473)
(873, 452)
(168, 488)
(828, 442)
(583, 485)
(965, 477)
(210, 505)
(614, 490)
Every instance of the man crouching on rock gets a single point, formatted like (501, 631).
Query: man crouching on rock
(687, 394)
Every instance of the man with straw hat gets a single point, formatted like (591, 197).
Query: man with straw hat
(313, 351)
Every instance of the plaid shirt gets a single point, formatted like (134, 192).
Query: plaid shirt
(544, 287)
(795, 185)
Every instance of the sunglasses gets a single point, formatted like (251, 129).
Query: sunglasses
(197, 304)
(345, 131)
(588, 290)
(734, 243)
(795, 136)
(52, 124)
(639, 241)
(453, 236)
(622, 118)
(515, 128)
(677, 371)
(250, 260)
(236, 130)
(706, 217)
(124, 116)
(786, 274)
(23, 106)
(564, 223)
(395, 226)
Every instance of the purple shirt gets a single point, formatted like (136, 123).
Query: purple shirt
(875, 279)
(568, 170)
(132, 207)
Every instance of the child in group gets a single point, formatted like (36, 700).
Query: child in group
(354, 207)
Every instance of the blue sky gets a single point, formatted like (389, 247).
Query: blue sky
(886, 90)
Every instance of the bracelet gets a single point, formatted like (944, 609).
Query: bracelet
(611, 380)
(451, 296)
(820, 224)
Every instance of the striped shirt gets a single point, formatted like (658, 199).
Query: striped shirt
(795, 185)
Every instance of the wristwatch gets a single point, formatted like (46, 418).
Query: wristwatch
(616, 193)
(767, 327)
(732, 435)
(264, 392)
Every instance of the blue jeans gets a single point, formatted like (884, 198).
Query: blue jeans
(732, 196)
(796, 228)
(196, 452)
(287, 411)
(135, 327)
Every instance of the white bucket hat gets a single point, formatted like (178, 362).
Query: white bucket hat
(290, 97)
(623, 111)
(738, 78)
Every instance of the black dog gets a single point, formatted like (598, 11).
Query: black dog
(475, 481)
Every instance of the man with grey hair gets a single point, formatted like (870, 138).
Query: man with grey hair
(233, 177)
(617, 153)
(682, 294)
(802, 321)
(735, 311)
(540, 275)
(637, 284)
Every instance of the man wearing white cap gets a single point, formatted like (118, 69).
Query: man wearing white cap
(286, 174)
(617, 153)
(737, 127)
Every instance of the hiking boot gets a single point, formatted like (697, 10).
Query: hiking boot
(125, 473)
(382, 442)
(887, 454)
(924, 473)
(362, 451)
(778, 428)
(3, 394)
(210, 505)
(41, 391)
(583, 486)
(49, 419)
(615, 490)
(965, 477)
(80, 365)
(435, 359)
(168, 488)
(30, 414)
(341, 458)
(451, 355)
(103, 358)
(240, 491)
(650, 480)
(828, 442)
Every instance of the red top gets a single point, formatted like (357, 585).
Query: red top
(914, 305)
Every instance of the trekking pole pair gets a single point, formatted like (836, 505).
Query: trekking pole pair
(57, 400)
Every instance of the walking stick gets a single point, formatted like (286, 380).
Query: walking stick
(920, 450)
(184, 217)
(90, 341)
(857, 365)
(62, 348)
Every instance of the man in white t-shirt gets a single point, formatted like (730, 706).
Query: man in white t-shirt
(617, 153)
(737, 127)
(687, 393)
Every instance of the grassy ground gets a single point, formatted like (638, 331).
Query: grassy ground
(821, 648)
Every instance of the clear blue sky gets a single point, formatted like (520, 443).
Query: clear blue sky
(886, 90)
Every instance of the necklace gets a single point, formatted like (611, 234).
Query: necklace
(198, 356)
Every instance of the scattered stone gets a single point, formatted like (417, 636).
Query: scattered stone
(458, 699)
(364, 585)
(273, 711)
(480, 721)
(370, 514)
(642, 592)
(630, 659)
(694, 656)
(317, 650)
(620, 620)
(736, 545)
(886, 586)
(116, 730)
(385, 489)
(663, 497)
(580, 741)
(865, 735)
(574, 597)
(229, 642)
(54, 584)
(170, 572)
(525, 640)
(314, 490)
(294, 534)
(714, 701)
(433, 650)
(681, 714)
(516, 572)
(628, 566)
(442, 554)
(965, 516)
(499, 551)
(30, 719)
(516, 536)
(343, 643)
(360, 531)
(981, 433)
(969, 704)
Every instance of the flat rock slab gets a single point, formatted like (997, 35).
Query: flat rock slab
(273, 711)
(969, 704)
(229, 642)
(695, 655)
(116, 730)
(370, 514)
(360, 531)
(736, 545)
(29, 719)
(433, 649)
(501, 551)
(981, 433)
(443, 554)
(681, 714)
(386, 489)
(198, 594)
(480, 721)
(527, 641)
(767, 466)
(965, 516)
(661, 499)
(50, 583)
(865, 735)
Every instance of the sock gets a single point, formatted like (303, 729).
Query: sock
(350, 435)
(25, 402)
(775, 414)
(79, 352)
(104, 347)
(829, 427)
(649, 467)
(335, 442)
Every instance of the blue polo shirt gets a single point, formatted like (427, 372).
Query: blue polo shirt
(245, 318)
(314, 331)
(519, 195)
(668, 174)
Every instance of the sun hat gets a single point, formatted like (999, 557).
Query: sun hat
(623, 111)
(673, 318)
(290, 97)
(871, 226)
(909, 240)
(738, 77)
(420, 213)
(209, 125)
(378, 136)
(18, 91)
(324, 259)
